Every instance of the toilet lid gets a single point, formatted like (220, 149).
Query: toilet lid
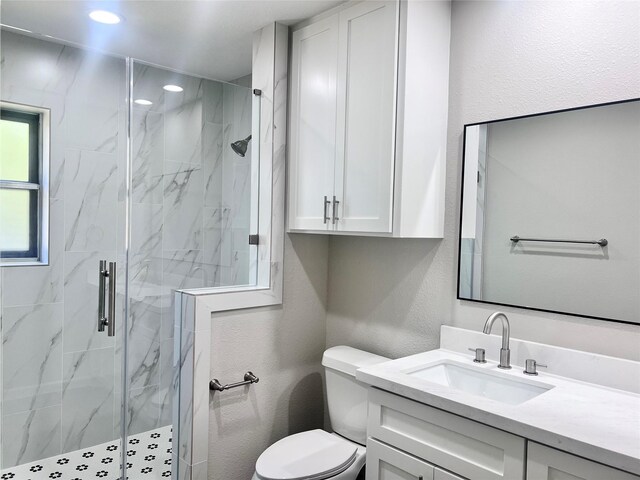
(312, 455)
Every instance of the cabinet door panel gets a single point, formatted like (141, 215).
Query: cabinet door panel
(544, 463)
(387, 463)
(313, 123)
(457, 444)
(367, 73)
(442, 475)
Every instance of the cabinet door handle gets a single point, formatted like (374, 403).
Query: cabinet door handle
(325, 208)
(335, 209)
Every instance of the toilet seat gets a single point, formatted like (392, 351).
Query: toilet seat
(312, 455)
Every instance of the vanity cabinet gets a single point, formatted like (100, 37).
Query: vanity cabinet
(369, 92)
(411, 440)
(385, 462)
(455, 444)
(544, 463)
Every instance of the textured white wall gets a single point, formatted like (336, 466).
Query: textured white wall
(507, 58)
(283, 346)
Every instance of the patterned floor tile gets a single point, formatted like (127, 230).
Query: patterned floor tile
(148, 458)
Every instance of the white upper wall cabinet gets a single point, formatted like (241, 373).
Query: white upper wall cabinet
(366, 121)
(313, 134)
(369, 96)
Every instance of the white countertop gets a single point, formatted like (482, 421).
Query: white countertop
(585, 419)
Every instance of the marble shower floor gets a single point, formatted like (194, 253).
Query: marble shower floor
(148, 458)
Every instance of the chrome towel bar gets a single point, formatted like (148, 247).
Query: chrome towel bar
(603, 242)
(249, 378)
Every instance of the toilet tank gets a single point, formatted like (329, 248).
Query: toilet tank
(347, 397)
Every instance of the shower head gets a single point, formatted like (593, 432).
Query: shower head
(240, 146)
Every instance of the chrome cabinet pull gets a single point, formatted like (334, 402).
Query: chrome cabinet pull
(102, 274)
(326, 205)
(108, 320)
(334, 210)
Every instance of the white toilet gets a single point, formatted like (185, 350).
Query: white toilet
(316, 454)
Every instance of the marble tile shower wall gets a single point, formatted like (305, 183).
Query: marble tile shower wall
(192, 189)
(60, 378)
(58, 373)
(190, 215)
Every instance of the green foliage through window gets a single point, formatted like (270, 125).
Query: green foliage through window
(20, 187)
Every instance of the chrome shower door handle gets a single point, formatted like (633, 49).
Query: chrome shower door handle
(325, 217)
(102, 275)
(111, 319)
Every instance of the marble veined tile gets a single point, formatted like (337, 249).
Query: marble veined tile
(146, 228)
(147, 84)
(147, 132)
(183, 203)
(30, 435)
(92, 127)
(193, 91)
(237, 107)
(98, 79)
(144, 359)
(183, 269)
(145, 317)
(81, 302)
(183, 130)
(212, 162)
(212, 101)
(168, 380)
(241, 195)
(87, 398)
(184, 405)
(213, 241)
(31, 357)
(29, 61)
(143, 409)
(91, 201)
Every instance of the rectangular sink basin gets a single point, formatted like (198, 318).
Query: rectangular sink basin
(480, 383)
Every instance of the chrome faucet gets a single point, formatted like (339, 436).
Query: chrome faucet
(505, 353)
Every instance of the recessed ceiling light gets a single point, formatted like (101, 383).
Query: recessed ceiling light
(102, 16)
(173, 88)
(142, 101)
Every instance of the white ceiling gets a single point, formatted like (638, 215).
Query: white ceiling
(210, 38)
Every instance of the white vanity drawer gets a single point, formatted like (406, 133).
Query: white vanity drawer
(544, 463)
(463, 446)
(385, 462)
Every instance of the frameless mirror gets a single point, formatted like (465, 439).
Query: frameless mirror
(550, 216)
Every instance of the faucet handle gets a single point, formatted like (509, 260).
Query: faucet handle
(479, 355)
(530, 367)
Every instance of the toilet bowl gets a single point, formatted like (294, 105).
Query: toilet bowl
(319, 455)
(311, 455)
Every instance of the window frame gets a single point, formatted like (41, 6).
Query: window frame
(37, 185)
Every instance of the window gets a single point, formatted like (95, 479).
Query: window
(23, 188)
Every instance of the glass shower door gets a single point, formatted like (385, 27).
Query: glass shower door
(138, 193)
(61, 380)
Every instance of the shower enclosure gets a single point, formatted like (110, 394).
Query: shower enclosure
(134, 191)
